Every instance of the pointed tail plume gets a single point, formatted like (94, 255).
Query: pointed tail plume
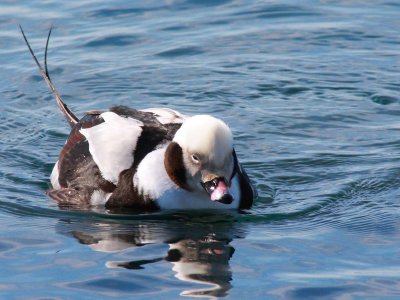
(69, 115)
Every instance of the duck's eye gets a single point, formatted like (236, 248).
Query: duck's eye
(195, 158)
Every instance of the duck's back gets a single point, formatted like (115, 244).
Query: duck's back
(102, 152)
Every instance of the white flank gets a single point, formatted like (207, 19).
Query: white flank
(99, 198)
(54, 177)
(151, 178)
(112, 144)
(166, 115)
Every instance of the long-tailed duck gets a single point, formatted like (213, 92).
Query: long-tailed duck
(146, 159)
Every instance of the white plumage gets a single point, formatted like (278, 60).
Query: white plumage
(113, 157)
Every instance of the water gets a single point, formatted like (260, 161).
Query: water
(310, 90)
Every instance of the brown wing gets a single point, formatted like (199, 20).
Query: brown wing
(79, 175)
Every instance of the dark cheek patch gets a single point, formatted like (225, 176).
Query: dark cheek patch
(173, 162)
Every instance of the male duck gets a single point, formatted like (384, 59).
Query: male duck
(147, 160)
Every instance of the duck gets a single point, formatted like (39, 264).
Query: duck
(146, 159)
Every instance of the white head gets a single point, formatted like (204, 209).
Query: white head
(200, 158)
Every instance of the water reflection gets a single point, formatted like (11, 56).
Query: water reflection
(198, 251)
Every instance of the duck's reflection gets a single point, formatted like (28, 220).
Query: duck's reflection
(199, 252)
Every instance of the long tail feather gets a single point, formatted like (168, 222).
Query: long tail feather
(68, 114)
(45, 52)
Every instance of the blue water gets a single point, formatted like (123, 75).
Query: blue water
(311, 91)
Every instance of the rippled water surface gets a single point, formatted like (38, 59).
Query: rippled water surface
(311, 91)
